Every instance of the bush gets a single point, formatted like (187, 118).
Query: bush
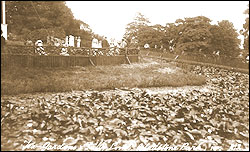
(41, 34)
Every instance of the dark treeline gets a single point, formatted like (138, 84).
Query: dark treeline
(195, 34)
(33, 20)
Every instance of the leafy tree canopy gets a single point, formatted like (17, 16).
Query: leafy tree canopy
(132, 29)
(194, 35)
(225, 38)
(32, 20)
(245, 31)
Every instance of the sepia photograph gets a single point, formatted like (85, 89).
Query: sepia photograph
(124, 75)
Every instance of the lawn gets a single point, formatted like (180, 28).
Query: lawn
(147, 73)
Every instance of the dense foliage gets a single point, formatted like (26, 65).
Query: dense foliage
(224, 39)
(33, 20)
(134, 28)
(245, 31)
(193, 35)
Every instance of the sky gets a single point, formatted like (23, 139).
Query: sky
(109, 18)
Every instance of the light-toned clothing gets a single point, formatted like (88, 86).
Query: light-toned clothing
(146, 46)
(78, 44)
(123, 44)
(39, 49)
(71, 40)
(95, 43)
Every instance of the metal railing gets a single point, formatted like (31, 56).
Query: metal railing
(230, 61)
(68, 51)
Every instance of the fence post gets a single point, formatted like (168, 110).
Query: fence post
(126, 56)
(92, 63)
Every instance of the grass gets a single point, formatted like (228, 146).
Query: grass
(16, 80)
(222, 61)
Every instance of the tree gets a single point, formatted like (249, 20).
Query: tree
(171, 37)
(105, 43)
(245, 31)
(86, 38)
(131, 34)
(43, 33)
(38, 19)
(85, 33)
(197, 35)
(158, 35)
(225, 38)
(149, 35)
(193, 34)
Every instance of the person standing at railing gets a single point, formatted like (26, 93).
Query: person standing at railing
(99, 50)
(123, 46)
(95, 43)
(78, 44)
(146, 47)
(64, 50)
(39, 48)
(105, 43)
(94, 46)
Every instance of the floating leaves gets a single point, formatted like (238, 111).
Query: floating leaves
(220, 115)
(189, 135)
(70, 141)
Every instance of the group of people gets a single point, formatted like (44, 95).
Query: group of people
(96, 45)
(99, 43)
(40, 49)
(70, 41)
(95, 51)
